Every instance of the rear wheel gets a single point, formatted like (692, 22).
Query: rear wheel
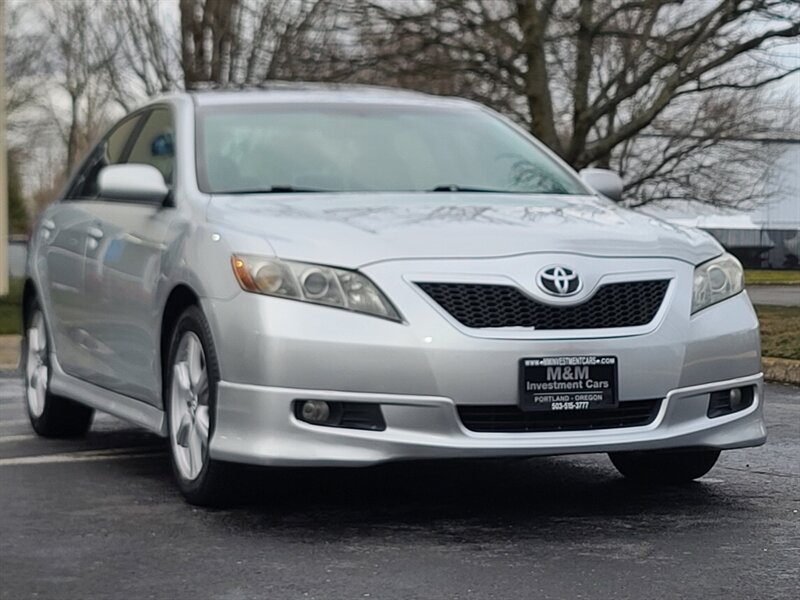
(190, 400)
(50, 415)
(664, 467)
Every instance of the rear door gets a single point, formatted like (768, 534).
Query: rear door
(59, 247)
(123, 266)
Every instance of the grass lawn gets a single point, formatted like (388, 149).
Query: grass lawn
(758, 277)
(780, 331)
(10, 311)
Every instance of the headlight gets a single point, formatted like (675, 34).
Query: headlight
(311, 283)
(716, 280)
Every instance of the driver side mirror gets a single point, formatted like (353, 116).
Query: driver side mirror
(604, 181)
(133, 182)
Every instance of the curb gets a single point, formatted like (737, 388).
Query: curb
(781, 370)
(9, 352)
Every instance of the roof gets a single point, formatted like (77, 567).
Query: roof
(295, 92)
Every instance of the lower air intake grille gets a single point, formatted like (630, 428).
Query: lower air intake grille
(512, 419)
(625, 304)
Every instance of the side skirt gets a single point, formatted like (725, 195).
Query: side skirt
(123, 407)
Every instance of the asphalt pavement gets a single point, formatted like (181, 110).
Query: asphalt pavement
(100, 518)
(776, 295)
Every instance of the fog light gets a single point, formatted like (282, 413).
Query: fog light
(735, 399)
(725, 402)
(315, 411)
(334, 413)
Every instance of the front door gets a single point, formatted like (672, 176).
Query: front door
(124, 256)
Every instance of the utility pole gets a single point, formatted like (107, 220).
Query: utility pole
(3, 158)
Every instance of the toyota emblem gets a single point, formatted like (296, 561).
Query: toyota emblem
(558, 280)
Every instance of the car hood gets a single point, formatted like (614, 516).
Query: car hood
(352, 230)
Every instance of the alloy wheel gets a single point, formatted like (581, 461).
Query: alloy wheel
(36, 365)
(189, 412)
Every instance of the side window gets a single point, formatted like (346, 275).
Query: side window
(108, 152)
(154, 144)
(118, 140)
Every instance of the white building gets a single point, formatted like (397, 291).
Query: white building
(768, 236)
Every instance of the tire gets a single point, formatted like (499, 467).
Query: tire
(664, 467)
(50, 415)
(190, 394)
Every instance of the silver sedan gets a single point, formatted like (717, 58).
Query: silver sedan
(346, 276)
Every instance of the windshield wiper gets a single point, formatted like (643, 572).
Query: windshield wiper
(291, 189)
(277, 189)
(451, 187)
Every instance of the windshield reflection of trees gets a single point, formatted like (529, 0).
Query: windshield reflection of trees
(526, 175)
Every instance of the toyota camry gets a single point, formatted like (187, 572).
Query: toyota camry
(343, 276)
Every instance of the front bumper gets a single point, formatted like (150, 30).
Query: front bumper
(274, 351)
(256, 425)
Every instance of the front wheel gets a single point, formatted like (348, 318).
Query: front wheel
(664, 466)
(190, 397)
(50, 415)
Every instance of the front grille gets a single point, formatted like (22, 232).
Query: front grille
(512, 419)
(478, 305)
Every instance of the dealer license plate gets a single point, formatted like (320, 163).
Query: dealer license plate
(568, 383)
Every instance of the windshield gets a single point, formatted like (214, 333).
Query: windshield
(369, 148)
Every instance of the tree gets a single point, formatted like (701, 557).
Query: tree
(77, 60)
(23, 67)
(219, 43)
(590, 77)
(75, 66)
(666, 91)
(233, 42)
(144, 42)
(18, 218)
